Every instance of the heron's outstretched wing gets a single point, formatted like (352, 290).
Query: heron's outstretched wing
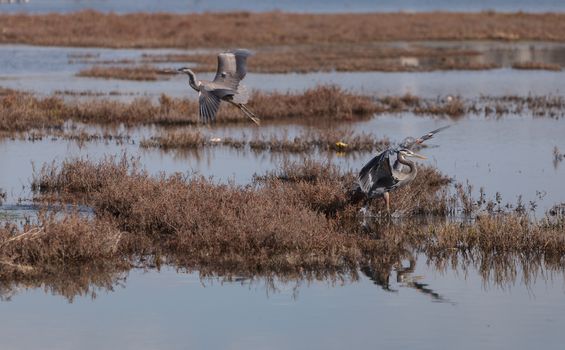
(208, 106)
(232, 68)
(409, 142)
(376, 173)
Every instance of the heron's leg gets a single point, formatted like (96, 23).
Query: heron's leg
(386, 197)
(250, 114)
(245, 111)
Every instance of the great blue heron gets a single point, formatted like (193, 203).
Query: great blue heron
(232, 68)
(377, 178)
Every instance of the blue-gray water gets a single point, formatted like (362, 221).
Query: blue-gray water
(182, 6)
(58, 68)
(168, 310)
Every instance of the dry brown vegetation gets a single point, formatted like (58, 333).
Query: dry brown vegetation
(321, 140)
(22, 112)
(245, 29)
(294, 221)
(145, 72)
(536, 65)
(340, 57)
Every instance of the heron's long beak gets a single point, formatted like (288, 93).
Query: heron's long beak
(419, 156)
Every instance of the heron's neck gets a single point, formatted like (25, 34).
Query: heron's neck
(192, 81)
(407, 162)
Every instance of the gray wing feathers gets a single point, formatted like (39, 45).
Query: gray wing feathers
(242, 95)
(232, 68)
(208, 106)
(375, 172)
(409, 142)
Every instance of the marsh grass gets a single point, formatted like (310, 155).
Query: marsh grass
(320, 106)
(140, 73)
(23, 112)
(531, 65)
(298, 220)
(244, 29)
(323, 57)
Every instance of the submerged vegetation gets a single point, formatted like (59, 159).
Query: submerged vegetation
(307, 141)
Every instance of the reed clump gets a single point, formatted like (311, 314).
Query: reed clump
(53, 244)
(204, 223)
(22, 112)
(139, 73)
(530, 65)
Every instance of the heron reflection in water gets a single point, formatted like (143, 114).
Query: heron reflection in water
(380, 273)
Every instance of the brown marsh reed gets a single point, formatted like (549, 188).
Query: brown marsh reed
(140, 73)
(23, 112)
(338, 57)
(295, 221)
(245, 29)
(537, 65)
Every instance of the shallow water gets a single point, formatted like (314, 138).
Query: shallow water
(178, 6)
(170, 310)
(19, 70)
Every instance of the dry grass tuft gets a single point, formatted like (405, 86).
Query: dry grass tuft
(537, 65)
(144, 73)
(53, 244)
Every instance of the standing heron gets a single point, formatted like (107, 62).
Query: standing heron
(377, 178)
(232, 68)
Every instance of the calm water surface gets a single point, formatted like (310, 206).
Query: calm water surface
(170, 310)
(20, 70)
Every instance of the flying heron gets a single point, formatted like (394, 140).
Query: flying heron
(377, 178)
(232, 68)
